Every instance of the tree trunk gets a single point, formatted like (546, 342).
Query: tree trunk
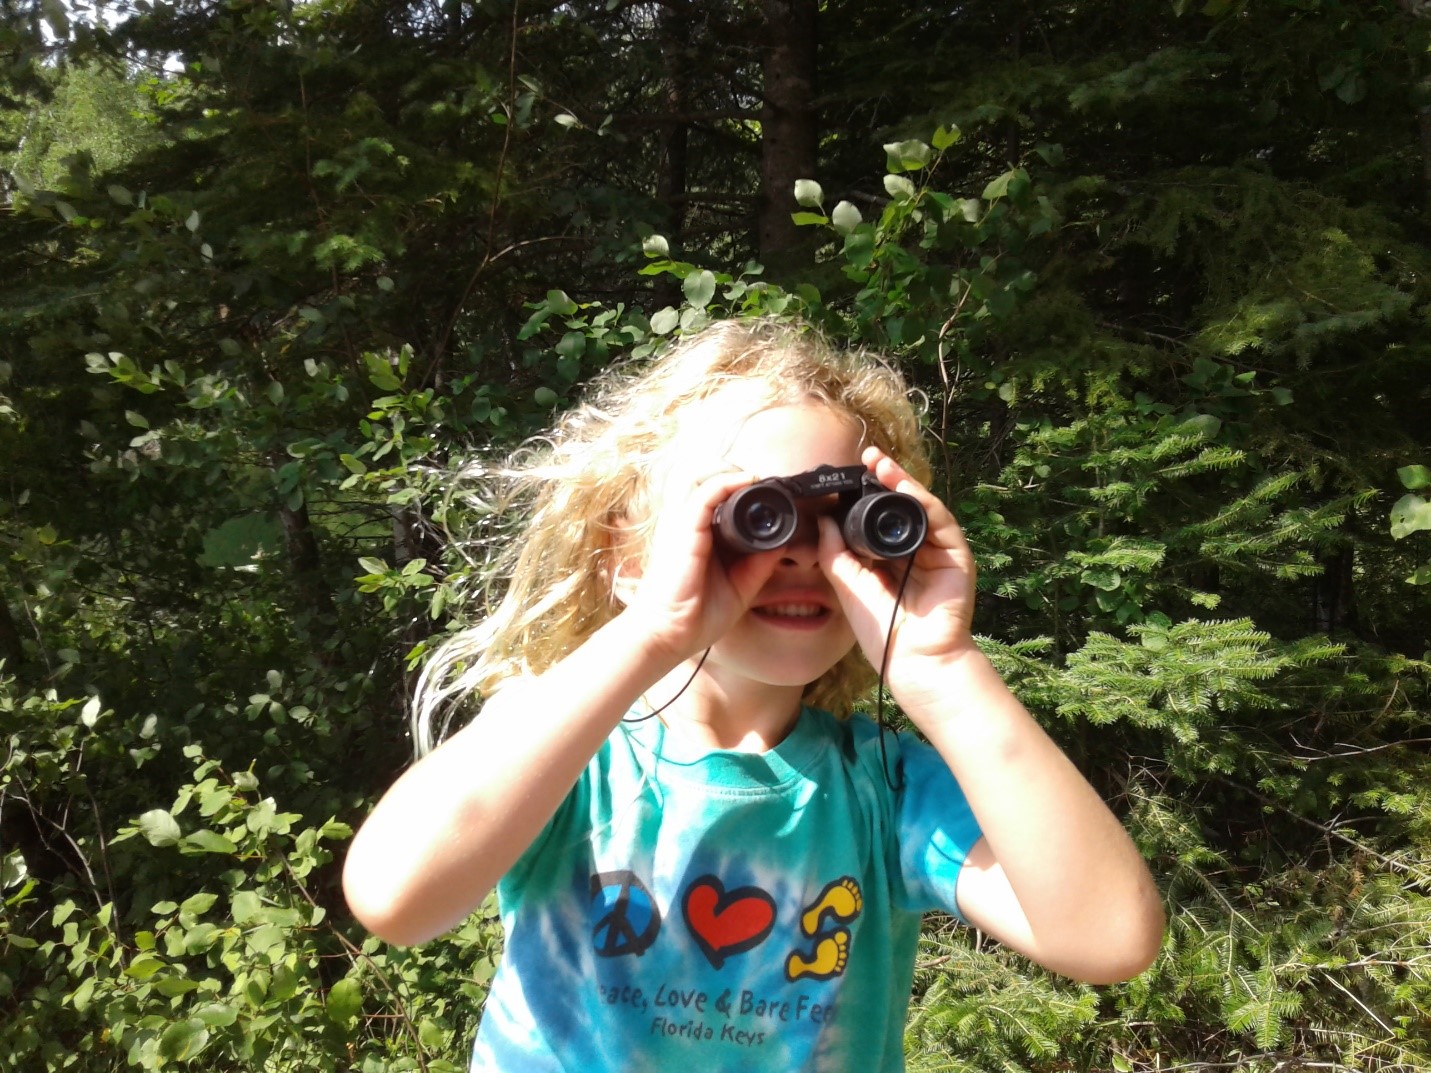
(789, 134)
(675, 37)
(1334, 598)
(1421, 9)
(304, 558)
(674, 30)
(12, 650)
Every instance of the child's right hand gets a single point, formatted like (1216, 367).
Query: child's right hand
(685, 597)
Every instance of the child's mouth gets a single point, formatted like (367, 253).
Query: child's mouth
(797, 615)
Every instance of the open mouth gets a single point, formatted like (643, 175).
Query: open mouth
(792, 614)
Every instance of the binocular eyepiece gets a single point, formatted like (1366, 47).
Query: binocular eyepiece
(876, 522)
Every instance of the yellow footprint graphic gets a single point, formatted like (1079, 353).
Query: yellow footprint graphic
(831, 954)
(840, 898)
(838, 904)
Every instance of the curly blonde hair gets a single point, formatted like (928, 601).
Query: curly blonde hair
(584, 496)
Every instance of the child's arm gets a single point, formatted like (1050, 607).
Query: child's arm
(1055, 875)
(452, 825)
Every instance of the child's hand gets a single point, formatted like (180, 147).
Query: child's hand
(938, 603)
(686, 598)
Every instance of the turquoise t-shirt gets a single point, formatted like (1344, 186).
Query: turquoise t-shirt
(726, 911)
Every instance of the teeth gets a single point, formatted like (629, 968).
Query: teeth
(793, 610)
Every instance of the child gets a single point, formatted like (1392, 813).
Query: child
(702, 860)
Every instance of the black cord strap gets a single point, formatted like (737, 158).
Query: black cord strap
(662, 708)
(896, 783)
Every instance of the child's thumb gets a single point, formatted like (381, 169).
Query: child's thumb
(852, 579)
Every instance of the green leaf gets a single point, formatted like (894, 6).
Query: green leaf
(83, 994)
(197, 904)
(908, 155)
(159, 828)
(345, 1000)
(207, 841)
(183, 1039)
(1204, 425)
(572, 345)
(544, 396)
(200, 937)
(808, 219)
(1414, 477)
(997, 188)
(1410, 514)
(944, 137)
(217, 1015)
(239, 541)
(664, 322)
(809, 193)
(898, 187)
(846, 217)
(266, 939)
(171, 986)
(245, 905)
(143, 966)
(119, 194)
(560, 303)
(699, 288)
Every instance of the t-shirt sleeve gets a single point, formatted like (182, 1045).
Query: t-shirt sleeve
(568, 828)
(937, 829)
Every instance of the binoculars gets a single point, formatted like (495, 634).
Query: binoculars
(876, 522)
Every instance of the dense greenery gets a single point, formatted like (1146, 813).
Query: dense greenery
(270, 271)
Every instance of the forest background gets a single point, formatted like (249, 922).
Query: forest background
(270, 271)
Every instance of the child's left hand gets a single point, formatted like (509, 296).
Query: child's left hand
(938, 604)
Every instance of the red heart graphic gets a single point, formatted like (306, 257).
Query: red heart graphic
(727, 923)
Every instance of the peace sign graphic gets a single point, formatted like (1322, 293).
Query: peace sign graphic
(625, 917)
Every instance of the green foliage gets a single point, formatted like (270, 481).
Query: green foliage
(248, 971)
(96, 120)
(1412, 514)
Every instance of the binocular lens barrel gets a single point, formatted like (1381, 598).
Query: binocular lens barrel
(757, 518)
(889, 525)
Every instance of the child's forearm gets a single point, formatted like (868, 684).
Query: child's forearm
(1086, 905)
(453, 824)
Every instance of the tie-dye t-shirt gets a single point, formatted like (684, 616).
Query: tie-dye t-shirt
(726, 911)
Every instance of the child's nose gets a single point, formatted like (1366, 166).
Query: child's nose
(804, 545)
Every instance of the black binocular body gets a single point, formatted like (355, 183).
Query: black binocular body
(875, 522)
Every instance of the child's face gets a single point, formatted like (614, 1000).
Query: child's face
(794, 631)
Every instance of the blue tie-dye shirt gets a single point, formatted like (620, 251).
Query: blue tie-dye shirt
(726, 911)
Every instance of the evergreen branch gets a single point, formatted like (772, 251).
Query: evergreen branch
(1364, 1007)
(1391, 862)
